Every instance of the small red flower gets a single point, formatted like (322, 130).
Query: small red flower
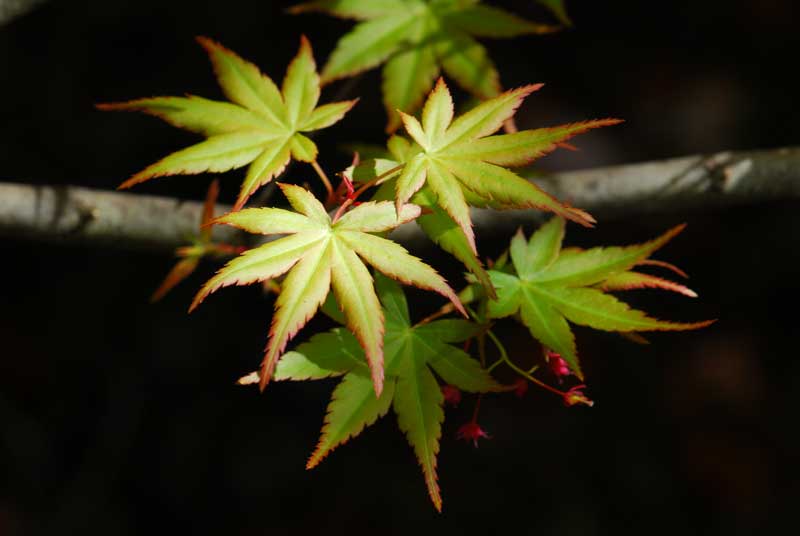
(557, 364)
(472, 431)
(452, 396)
(520, 387)
(576, 396)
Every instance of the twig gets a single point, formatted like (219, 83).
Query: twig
(74, 214)
(81, 215)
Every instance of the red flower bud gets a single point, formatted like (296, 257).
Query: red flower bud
(557, 364)
(452, 396)
(520, 387)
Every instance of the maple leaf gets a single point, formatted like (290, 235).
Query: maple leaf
(412, 354)
(320, 253)
(551, 286)
(454, 163)
(558, 9)
(417, 39)
(262, 126)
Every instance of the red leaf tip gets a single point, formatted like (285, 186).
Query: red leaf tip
(527, 89)
(666, 265)
(607, 121)
(377, 380)
(305, 43)
(207, 43)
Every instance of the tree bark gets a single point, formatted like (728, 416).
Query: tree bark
(82, 215)
(71, 214)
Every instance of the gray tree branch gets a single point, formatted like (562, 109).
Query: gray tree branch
(82, 215)
(11, 9)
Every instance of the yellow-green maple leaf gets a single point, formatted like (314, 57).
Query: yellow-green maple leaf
(319, 254)
(261, 127)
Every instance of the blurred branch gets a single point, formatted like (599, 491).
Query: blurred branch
(11, 9)
(82, 215)
(676, 185)
(74, 214)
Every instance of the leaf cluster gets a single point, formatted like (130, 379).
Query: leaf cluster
(418, 39)
(319, 253)
(432, 174)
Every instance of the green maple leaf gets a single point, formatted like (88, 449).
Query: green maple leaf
(455, 163)
(558, 9)
(417, 39)
(320, 253)
(410, 386)
(552, 286)
(262, 126)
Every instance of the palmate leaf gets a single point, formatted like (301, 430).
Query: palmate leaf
(417, 38)
(458, 157)
(319, 254)
(455, 162)
(413, 354)
(551, 287)
(261, 127)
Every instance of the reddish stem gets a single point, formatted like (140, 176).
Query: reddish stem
(374, 182)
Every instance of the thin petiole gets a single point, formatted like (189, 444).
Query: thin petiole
(445, 310)
(323, 177)
(504, 358)
(380, 179)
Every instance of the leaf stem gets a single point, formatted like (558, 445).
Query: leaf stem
(323, 177)
(380, 179)
(505, 359)
(445, 310)
(482, 348)
(477, 408)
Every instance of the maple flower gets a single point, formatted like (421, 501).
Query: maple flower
(576, 396)
(452, 395)
(472, 431)
(556, 363)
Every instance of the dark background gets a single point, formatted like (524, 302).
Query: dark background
(118, 417)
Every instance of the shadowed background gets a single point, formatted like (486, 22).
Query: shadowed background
(119, 417)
